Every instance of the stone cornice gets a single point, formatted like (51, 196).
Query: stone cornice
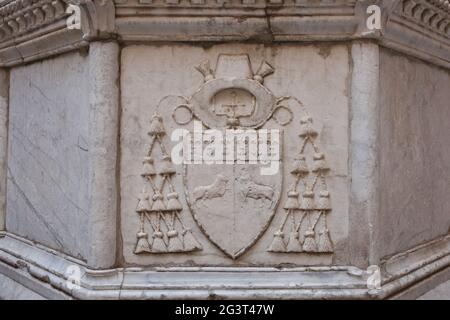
(27, 25)
(235, 20)
(428, 16)
(18, 18)
(420, 28)
(33, 29)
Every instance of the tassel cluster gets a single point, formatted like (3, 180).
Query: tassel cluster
(306, 128)
(159, 246)
(156, 126)
(324, 203)
(307, 202)
(320, 165)
(300, 166)
(310, 242)
(309, 233)
(325, 244)
(144, 203)
(148, 169)
(168, 234)
(175, 244)
(278, 244)
(167, 167)
(292, 201)
(158, 203)
(142, 246)
(294, 244)
(173, 204)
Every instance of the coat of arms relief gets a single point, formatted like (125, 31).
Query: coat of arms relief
(231, 201)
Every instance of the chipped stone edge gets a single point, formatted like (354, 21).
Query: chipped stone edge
(43, 270)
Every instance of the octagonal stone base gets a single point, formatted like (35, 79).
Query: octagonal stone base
(95, 205)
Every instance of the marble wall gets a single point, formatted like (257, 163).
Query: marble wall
(414, 155)
(47, 188)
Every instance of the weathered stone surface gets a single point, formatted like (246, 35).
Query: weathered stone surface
(364, 149)
(358, 208)
(414, 154)
(145, 81)
(48, 154)
(4, 103)
(11, 290)
(441, 292)
(103, 132)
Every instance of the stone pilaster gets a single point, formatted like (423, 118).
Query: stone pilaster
(4, 94)
(364, 139)
(103, 127)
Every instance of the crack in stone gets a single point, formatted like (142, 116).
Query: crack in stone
(45, 169)
(35, 211)
(41, 92)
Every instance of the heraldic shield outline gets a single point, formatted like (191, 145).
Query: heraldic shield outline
(226, 199)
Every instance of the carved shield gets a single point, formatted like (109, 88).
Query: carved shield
(232, 204)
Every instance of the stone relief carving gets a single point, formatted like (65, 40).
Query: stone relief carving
(253, 190)
(238, 97)
(163, 210)
(237, 196)
(231, 4)
(215, 190)
(19, 17)
(407, 24)
(431, 14)
(99, 16)
(304, 228)
(232, 203)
